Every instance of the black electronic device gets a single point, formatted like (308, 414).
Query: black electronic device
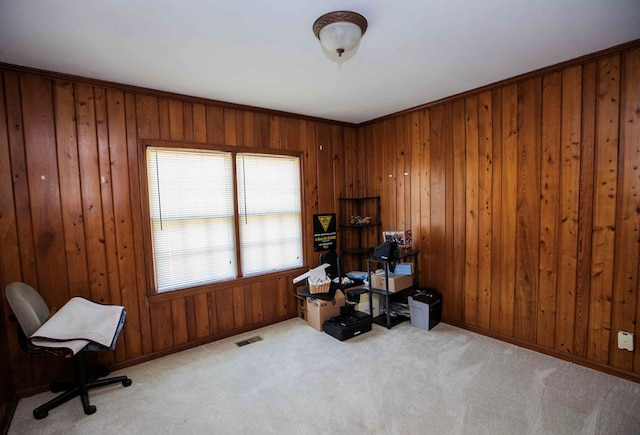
(349, 325)
(385, 251)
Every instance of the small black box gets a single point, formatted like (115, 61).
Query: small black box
(346, 326)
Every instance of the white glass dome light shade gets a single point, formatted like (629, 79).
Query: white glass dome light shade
(339, 33)
(340, 37)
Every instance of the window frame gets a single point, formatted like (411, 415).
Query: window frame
(149, 257)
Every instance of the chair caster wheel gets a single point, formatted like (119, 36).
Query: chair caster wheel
(90, 410)
(40, 414)
(126, 382)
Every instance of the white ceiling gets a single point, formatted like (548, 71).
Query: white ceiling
(264, 54)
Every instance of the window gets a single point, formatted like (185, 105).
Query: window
(203, 221)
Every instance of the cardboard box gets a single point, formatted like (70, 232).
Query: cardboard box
(396, 282)
(319, 311)
(302, 308)
(401, 237)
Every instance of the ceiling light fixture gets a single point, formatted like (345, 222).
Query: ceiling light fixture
(340, 32)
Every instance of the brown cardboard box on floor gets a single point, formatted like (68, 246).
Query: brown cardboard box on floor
(319, 311)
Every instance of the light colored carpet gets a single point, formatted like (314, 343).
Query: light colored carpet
(400, 381)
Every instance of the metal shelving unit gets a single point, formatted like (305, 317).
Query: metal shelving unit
(357, 240)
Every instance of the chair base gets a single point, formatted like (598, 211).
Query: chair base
(80, 387)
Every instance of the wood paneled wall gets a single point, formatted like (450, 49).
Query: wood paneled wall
(524, 199)
(71, 221)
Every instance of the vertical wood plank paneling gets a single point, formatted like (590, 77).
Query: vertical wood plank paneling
(104, 161)
(485, 202)
(44, 190)
(417, 175)
(426, 253)
(311, 181)
(457, 297)
(449, 211)
(91, 200)
(20, 182)
(269, 299)
(248, 304)
(162, 332)
(400, 220)
(496, 212)
(256, 302)
(471, 212)
(292, 135)
(230, 132)
(261, 125)
(70, 190)
(585, 212)
(108, 237)
(528, 223)
(179, 321)
(215, 125)
(147, 117)
(248, 129)
(199, 123)
(10, 263)
(350, 167)
(201, 302)
(604, 208)
(164, 119)
(144, 344)
(548, 166)
(123, 217)
(390, 180)
(508, 210)
(10, 252)
(549, 209)
(187, 117)
(323, 168)
(438, 196)
(176, 120)
(627, 255)
(307, 183)
(212, 304)
(568, 203)
(224, 309)
(275, 142)
(337, 159)
(190, 312)
(239, 128)
(239, 315)
(283, 298)
(378, 175)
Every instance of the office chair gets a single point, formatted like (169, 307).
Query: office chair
(31, 312)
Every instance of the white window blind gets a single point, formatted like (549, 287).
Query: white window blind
(193, 225)
(269, 207)
(192, 216)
